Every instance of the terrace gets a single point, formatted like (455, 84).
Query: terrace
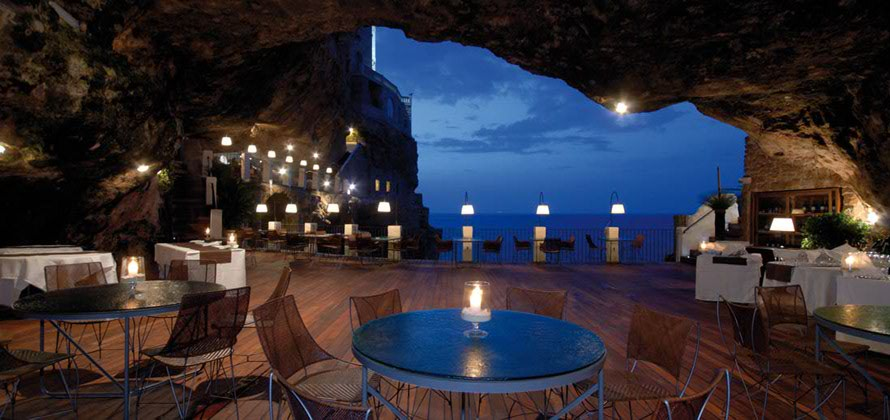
(601, 298)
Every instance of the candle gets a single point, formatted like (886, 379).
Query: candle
(232, 240)
(703, 246)
(133, 267)
(474, 312)
(207, 231)
(850, 260)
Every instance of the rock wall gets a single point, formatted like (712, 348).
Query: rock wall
(90, 88)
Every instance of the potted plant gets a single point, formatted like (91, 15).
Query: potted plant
(720, 203)
(831, 230)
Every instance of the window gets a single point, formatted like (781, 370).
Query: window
(376, 185)
(387, 186)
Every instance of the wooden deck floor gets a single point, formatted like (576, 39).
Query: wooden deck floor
(601, 298)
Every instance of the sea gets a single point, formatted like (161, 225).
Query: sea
(555, 221)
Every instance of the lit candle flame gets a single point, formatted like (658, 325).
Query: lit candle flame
(133, 267)
(476, 299)
(703, 245)
(207, 231)
(850, 260)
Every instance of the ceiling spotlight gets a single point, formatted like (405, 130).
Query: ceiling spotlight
(621, 108)
(351, 187)
(290, 148)
(282, 171)
(142, 168)
(315, 155)
(226, 141)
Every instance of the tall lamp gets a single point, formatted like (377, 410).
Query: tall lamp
(615, 206)
(540, 232)
(467, 210)
(611, 232)
(261, 209)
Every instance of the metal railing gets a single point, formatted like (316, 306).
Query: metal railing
(655, 246)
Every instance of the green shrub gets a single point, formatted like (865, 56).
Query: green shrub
(236, 198)
(831, 230)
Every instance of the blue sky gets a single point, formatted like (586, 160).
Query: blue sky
(490, 128)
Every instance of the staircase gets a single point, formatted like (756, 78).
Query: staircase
(190, 214)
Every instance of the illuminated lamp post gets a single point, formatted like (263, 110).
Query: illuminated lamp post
(612, 232)
(540, 233)
(467, 210)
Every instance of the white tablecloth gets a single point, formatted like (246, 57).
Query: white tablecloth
(231, 275)
(857, 291)
(18, 271)
(734, 282)
(40, 249)
(819, 284)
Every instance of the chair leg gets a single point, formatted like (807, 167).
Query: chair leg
(10, 399)
(234, 386)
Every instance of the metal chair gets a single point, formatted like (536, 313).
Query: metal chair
(520, 246)
(183, 270)
(590, 243)
(369, 308)
(550, 303)
(205, 333)
(412, 246)
(659, 340)
(754, 355)
(15, 364)
(692, 407)
(784, 310)
(444, 247)
(317, 384)
(552, 246)
(295, 245)
(279, 292)
(493, 247)
(69, 276)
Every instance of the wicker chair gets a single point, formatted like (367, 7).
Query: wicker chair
(317, 384)
(69, 276)
(550, 303)
(205, 333)
(521, 246)
(364, 247)
(15, 364)
(692, 407)
(659, 340)
(754, 355)
(279, 292)
(784, 310)
(493, 247)
(444, 247)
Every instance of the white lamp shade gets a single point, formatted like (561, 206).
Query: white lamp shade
(383, 207)
(467, 210)
(251, 148)
(303, 163)
(289, 159)
(315, 167)
(543, 210)
(617, 208)
(333, 208)
(262, 208)
(271, 154)
(329, 170)
(226, 141)
(782, 224)
(290, 208)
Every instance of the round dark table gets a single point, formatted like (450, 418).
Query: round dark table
(108, 302)
(870, 322)
(523, 352)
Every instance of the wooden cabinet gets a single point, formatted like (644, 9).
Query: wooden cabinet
(799, 205)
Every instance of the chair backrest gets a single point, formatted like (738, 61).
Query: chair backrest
(369, 308)
(207, 322)
(782, 305)
(67, 276)
(8, 362)
(192, 270)
(283, 284)
(692, 407)
(550, 303)
(660, 338)
(767, 254)
(748, 330)
(590, 242)
(444, 246)
(520, 244)
(569, 244)
(494, 245)
(551, 244)
(287, 343)
(638, 241)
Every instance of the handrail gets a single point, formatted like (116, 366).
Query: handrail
(697, 220)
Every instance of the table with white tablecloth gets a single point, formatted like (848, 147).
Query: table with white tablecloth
(853, 290)
(818, 282)
(19, 270)
(232, 275)
(40, 249)
(734, 282)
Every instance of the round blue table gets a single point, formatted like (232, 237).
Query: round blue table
(523, 352)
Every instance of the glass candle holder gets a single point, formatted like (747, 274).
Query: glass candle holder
(476, 307)
(132, 272)
(233, 241)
